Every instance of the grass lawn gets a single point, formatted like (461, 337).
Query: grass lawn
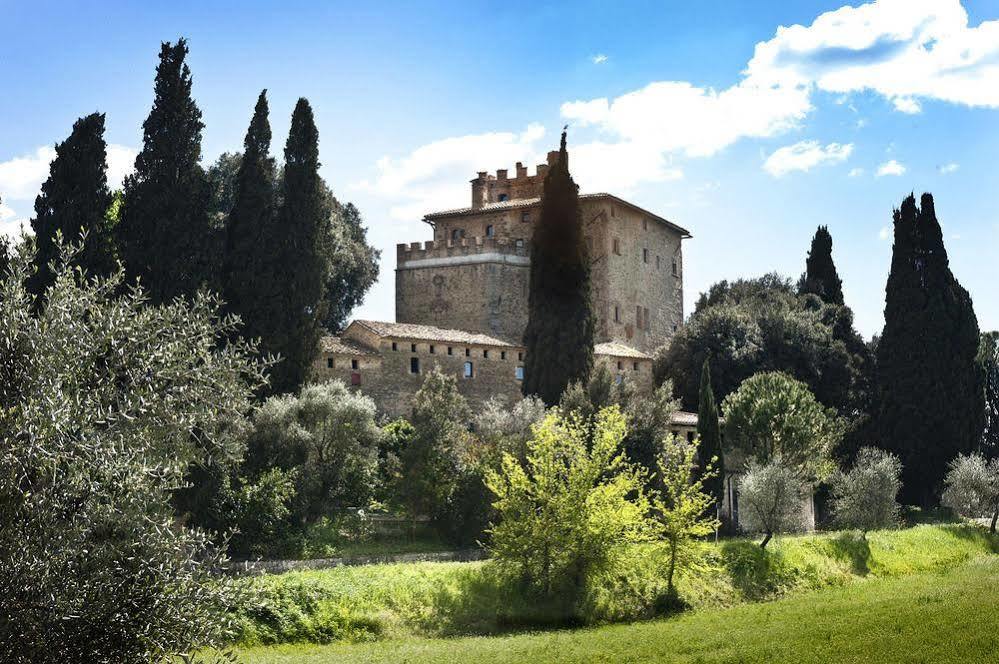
(949, 616)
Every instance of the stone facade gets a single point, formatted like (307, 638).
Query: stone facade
(474, 274)
(388, 361)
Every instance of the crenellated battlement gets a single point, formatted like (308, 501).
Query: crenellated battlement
(488, 188)
(472, 246)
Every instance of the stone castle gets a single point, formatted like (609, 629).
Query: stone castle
(461, 298)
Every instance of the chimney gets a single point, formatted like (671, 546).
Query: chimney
(479, 190)
(521, 170)
(501, 174)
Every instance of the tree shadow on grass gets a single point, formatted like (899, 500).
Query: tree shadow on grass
(975, 533)
(755, 572)
(854, 548)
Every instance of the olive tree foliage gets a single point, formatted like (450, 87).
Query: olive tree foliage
(573, 507)
(770, 499)
(683, 503)
(326, 436)
(772, 415)
(972, 487)
(865, 497)
(105, 403)
(507, 428)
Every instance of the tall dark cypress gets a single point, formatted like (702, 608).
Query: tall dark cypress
(560, 325)
(930, 389)
(302, 267)
(165, 233)
(820, 275)
(75, 200)
(709, 433)
(251, 232)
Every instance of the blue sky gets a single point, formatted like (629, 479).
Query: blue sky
(747, 133)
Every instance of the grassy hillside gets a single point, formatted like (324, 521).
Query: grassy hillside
(449, 599)
(948, 616)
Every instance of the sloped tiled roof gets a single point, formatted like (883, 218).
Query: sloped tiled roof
(528, 202)
(431, 333)
(684, 418)
(618, 349)
(344, 346)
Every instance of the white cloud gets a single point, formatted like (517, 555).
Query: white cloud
(435, 176)
(900, 49)
(21, 177)
(855, 172)
(599, 59)
(10, 221)
(805, 155)
(949, 168)
(884, 233)
(891, 167)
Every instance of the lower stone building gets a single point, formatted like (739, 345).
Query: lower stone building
(387, 361)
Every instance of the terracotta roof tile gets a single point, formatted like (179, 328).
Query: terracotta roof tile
(618, 349)
(344, 346)
(430, 333)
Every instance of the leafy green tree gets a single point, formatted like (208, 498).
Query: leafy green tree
(820, 277)
(251, 274)
(774, 416)
(988, 361)
(165, 235)
(396, 437)
(560, 323)
(770, 498)
(327, 437)
(574, 506)
(865, 497)
(709, 434)
(756, 325)
(74, 202)
(303, 221)
(972, 487)
(683, 503)
(506, 428)
(353, 265)
(433, 461)
(105, 403)
(930, 389)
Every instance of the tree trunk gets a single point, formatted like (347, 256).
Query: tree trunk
(766, 539)
(672, 566)
(995, 517)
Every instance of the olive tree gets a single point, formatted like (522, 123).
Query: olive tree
(865, 497)
(105, 403)
(770, 499)
(508, 428)
(972, 487)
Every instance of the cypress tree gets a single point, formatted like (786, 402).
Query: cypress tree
(930, 389)
(249, 268)
(709, 433)
(75, 200)
(302, 222)
(165, 234)
(560, 325)
(820, 275)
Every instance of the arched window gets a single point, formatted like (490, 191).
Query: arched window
(490, 231)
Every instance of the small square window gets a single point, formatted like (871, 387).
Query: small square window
(414, 365)
(503, 197)
(395, 346)
(469, 370)
(450, 350)
(355, 378)
(329, 362)
(635, 366)
(431, 349)
(620, 365)
(412, 347)
(520, 356)
(518, 373)
(490, 231)
(502, 354)
(485, 353)
(353, 365)
(468, 352)
(519, 242)
(525, 217)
